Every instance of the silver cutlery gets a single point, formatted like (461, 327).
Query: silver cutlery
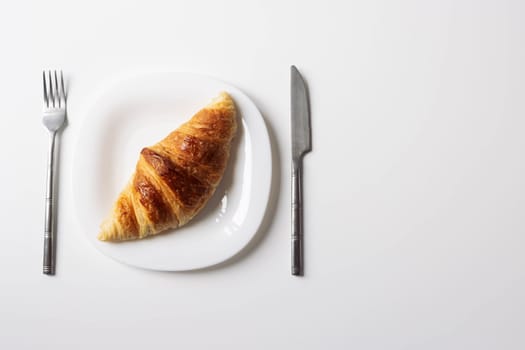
(301, 144)
(54, 118)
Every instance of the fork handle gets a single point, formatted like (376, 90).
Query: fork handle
(49, 229)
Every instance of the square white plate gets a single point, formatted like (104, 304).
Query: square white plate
(140, 111)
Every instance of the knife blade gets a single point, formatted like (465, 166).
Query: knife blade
(301, 144)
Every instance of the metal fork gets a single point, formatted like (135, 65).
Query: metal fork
(54, 118)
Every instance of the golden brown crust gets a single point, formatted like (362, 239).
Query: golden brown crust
(157, 211)
(125, 223)
(204, 159)
(175, 178)
(188, 190)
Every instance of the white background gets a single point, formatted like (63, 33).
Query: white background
(414, 190)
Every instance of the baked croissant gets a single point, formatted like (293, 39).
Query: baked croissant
(174, 178)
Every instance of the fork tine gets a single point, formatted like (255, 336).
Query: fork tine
(57, 91)
(46, 97)
(51, 93)
(63, 89)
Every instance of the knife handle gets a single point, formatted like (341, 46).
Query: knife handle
(297, 219)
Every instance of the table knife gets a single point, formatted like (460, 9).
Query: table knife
(301, 144)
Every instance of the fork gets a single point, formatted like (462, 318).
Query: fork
(54, 118)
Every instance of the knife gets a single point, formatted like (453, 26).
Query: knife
(301, 144)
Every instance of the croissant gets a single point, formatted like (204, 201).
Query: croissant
(174, 178)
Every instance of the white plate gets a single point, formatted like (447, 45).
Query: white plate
(140, 111)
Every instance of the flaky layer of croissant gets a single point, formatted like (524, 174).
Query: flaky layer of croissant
(174, 178)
